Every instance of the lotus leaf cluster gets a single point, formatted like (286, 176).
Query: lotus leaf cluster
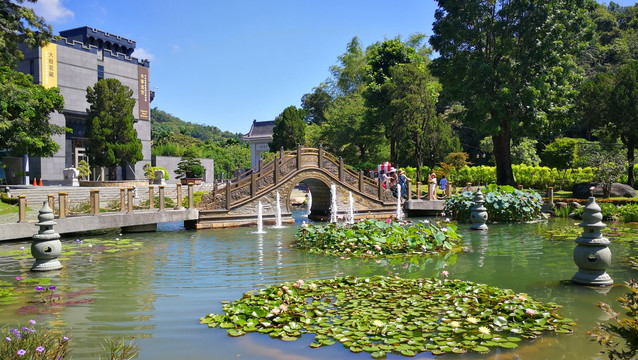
(381, 315)
(374, 238)
(503, 204)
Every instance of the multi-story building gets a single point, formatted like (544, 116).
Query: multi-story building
(76, 61)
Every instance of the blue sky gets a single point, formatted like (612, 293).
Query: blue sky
(225, 63)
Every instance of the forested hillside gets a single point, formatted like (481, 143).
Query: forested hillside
(172, 136)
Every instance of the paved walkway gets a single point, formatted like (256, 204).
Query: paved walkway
(80, 195)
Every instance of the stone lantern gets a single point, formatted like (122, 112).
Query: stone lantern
(46, 245)
(592, 255)
(478, 216)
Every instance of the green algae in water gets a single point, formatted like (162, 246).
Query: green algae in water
(382, 315)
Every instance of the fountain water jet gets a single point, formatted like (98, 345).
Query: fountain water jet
(399, 210)
(278, 224)
(260, 221)
(351, 213)
(309, 203)
(333, 203)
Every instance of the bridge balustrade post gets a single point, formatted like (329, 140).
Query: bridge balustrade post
(51, 199)
(151, 197)
(340, 169)
(276, 171)
(22, 208)
(253, 185)
(191, 201)
(281, 152)
(162, 200)
(380, 194)
(129, 199)
(298, 156)
(228, 193)
(361, 181)
(63, 201)
(320, 157)
(448, 189)
(418, 190)
(95, 202)
(259, 165)
(409, 189)
(178, 200)
(122, 199)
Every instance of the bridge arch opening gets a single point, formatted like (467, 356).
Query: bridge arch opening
(320, 192)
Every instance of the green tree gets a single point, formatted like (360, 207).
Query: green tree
(350, 74)
(561, 153)
(25, 107)
(289, 129)
(24, 114)
(109, 125)
(511, 64)
(610, 102)
(413, 94)
(315, 104)
(381, 57)
(346, 134)
(524, 152)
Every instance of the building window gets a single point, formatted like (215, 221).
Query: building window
(100, 55)
(100, 72)
(31, 67)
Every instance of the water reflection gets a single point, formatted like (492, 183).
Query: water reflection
(158, 292)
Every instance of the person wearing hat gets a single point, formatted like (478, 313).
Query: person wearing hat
(403, 181)
(432, 186)
(393, 180)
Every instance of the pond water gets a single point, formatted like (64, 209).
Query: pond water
(157, 294)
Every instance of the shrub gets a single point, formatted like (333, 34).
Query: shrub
(629, 212)
(625, 328)
(503, 203)
(371, 237)
(197, 198)
(33, 342)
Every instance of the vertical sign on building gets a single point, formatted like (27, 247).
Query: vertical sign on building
(49, 71)
(144, 101)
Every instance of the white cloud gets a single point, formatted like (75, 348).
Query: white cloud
(142, 54)
(52, 11)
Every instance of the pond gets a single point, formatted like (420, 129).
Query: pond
(157, 293)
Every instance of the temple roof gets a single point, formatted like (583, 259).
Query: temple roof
(260, 130)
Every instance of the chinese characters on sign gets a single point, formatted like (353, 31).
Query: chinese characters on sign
(49, 74)
(143, 93)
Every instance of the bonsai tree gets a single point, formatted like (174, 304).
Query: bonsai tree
(84, 169)
(189, 167)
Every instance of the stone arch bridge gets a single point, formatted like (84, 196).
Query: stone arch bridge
(235, 203)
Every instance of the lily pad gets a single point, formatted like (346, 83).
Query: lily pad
(381, 315)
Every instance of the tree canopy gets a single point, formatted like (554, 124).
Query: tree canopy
(511, 64)
(289, 129)
(109, 125)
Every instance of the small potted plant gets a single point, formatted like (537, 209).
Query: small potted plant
(190, 170)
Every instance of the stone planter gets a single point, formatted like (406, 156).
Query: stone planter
(194, 181)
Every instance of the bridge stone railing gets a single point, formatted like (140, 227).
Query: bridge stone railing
(270, 173)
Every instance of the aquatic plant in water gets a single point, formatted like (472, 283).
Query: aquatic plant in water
(620, 328)
(503, 203)
(382, 315)
(374, 238)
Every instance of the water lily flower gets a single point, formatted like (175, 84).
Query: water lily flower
(347, 250)
(454, 324)
(18, 278)
(522, 297)
(39, 288)
(313, 286)
(530, 312)
(51, 287)
(117, 239)
(472, 320)
(283, 307)
(448, 220)
(378, 323)
(483, 330)
(285, 288)
(377, 247)
(445, 273)
(21, 352)
(388, 221)
(39, 349)
(444, 229)
(90, 245)
(275, 311)
(21, 247)
(443, 214)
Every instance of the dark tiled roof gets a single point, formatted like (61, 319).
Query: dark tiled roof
(260, 130)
